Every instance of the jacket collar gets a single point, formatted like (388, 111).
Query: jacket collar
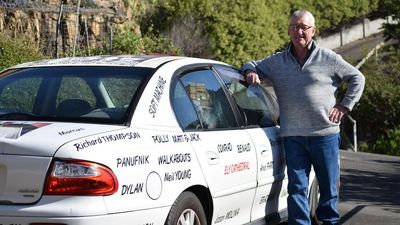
(311, 47)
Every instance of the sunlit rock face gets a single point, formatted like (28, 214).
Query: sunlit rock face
(89, 25)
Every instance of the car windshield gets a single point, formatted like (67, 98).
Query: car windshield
(71, 93)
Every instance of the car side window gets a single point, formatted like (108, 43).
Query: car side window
(258, 106)
(115, 86)
(183, 108)
(209, 99)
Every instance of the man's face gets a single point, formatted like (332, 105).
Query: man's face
(301, 31)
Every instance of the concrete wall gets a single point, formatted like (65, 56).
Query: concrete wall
(352, 33)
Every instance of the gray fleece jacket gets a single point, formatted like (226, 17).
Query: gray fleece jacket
(306, 93)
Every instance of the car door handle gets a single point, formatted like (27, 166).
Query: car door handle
(212, 158)
(265, 152)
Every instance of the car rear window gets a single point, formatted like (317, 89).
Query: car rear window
(84, 93)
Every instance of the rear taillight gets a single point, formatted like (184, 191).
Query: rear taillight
(80, 178)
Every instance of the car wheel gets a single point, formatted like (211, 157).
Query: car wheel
(187, 210)
(313, 202)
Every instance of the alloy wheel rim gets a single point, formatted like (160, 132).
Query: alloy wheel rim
(189, 217)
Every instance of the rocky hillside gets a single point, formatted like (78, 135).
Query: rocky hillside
(60, 23)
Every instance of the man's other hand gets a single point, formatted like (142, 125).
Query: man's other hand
(337, 113)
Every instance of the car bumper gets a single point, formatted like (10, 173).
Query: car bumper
(77, 211)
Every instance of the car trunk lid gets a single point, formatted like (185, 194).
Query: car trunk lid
(22, 178)
(44, 138)
(26, 153)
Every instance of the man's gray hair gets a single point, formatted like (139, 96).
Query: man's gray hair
(301, 14)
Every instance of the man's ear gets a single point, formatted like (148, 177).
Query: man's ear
(314, 30)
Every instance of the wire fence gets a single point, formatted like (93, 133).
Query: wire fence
(61, 27)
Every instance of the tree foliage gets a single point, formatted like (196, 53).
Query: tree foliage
(128, 42)
(391, 8)
(378, 112)
(240, 30)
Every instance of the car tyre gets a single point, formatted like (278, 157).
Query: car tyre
(313, 202)
(187, 210)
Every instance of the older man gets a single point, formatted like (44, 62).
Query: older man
(305, 78)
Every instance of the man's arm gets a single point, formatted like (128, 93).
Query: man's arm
(356, 82)
(254, 70)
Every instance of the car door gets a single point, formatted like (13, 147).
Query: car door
(261, 112)
(271, 191)
(224, 150)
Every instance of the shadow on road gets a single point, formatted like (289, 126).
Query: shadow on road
(351, 213)
(374, 186)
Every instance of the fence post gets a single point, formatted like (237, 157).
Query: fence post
(58, 27)
(354, 123)
(110, 38)
(87, 36)
(364, 31)
(76, 26)
(341, 36)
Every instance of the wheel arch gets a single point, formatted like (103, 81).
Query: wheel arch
(204, 195)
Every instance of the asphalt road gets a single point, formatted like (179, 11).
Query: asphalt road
(357, 50)
(369, 189)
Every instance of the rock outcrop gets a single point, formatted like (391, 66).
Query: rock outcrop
(58, 25)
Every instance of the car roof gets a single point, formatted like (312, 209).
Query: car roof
(151, 61)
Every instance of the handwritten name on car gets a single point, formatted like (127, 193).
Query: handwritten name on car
(226, 147)
(106, 138)
(238, 167)
(174, 158)
(61, 133)
(130, 161)
(165, 138)
(243, 147)
(229, 215)
(268, 166)
(157, 94)
(130, 189)
(178, 175)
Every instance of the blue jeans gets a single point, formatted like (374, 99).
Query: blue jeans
(322, 152)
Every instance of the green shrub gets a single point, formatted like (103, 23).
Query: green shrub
(391, 30)
(159, 45)
(129, 42)
(378, 112)
(388, 144)
(15, 50)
